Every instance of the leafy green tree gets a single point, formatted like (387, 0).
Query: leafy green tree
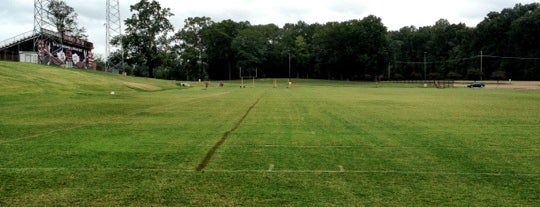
(297, 44)
(416, 76)
(511, 33)
(302, 54)
(100, 62)
(406, 46)
(446, 45)
(453, 75)
(524, 32)
(498, 75)
(146, 42)
(474, 74)
(329, 47)
(434, 76)
(524, 35)
(254, 46)
(221, 56)
(355, 49)
(360, 49)
(193, 51)
(64, 19)
(376, 49)
(275, 51)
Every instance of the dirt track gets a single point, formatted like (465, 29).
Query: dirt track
(532, 85)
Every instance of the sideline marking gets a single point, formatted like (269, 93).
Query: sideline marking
(212, 151)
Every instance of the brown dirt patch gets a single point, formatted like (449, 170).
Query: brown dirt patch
(142, 86)
(212, 151)
(529, 85)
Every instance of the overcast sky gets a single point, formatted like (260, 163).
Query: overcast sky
(16, 16)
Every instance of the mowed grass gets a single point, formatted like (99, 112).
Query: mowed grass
(65, 141)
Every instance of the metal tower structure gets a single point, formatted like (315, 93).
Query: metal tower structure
(42, 24)
(41, 10)
(113, 29)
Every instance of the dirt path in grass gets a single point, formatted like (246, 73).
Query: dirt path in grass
(530, 85)
(533, 85)
(212, 151)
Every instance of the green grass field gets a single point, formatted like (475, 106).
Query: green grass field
(65, 141)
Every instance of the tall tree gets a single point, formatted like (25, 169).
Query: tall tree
(218, 39)
(328, 47)
(257, 48)
(250, 45)
(356, 49)
(297, 43)
(372, 51)
(513, 32)
(64, 19)
(445, 46)
(191, 46)
(146, 41)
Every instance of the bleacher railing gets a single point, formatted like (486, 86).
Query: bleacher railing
(30, 34)
(16, 39)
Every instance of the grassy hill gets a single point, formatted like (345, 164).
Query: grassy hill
(66, 141)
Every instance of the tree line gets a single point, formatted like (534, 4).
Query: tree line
(505, 44)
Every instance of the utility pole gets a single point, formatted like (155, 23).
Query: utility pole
(200, 65)
(425, 65)
(241, 78)
(388, 71)
(289, 65)
(481, 65)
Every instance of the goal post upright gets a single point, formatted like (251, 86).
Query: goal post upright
(250, 76)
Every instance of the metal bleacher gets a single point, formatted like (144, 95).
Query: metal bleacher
(18, 39)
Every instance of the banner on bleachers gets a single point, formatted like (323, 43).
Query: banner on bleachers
(50, 52)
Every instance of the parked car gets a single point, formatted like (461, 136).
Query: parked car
(476, 85)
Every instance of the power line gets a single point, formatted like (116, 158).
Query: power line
(464, 59)
(516, 58)
(433, 62)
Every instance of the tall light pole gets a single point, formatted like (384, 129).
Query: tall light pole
(425, 77)
(289, 65)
